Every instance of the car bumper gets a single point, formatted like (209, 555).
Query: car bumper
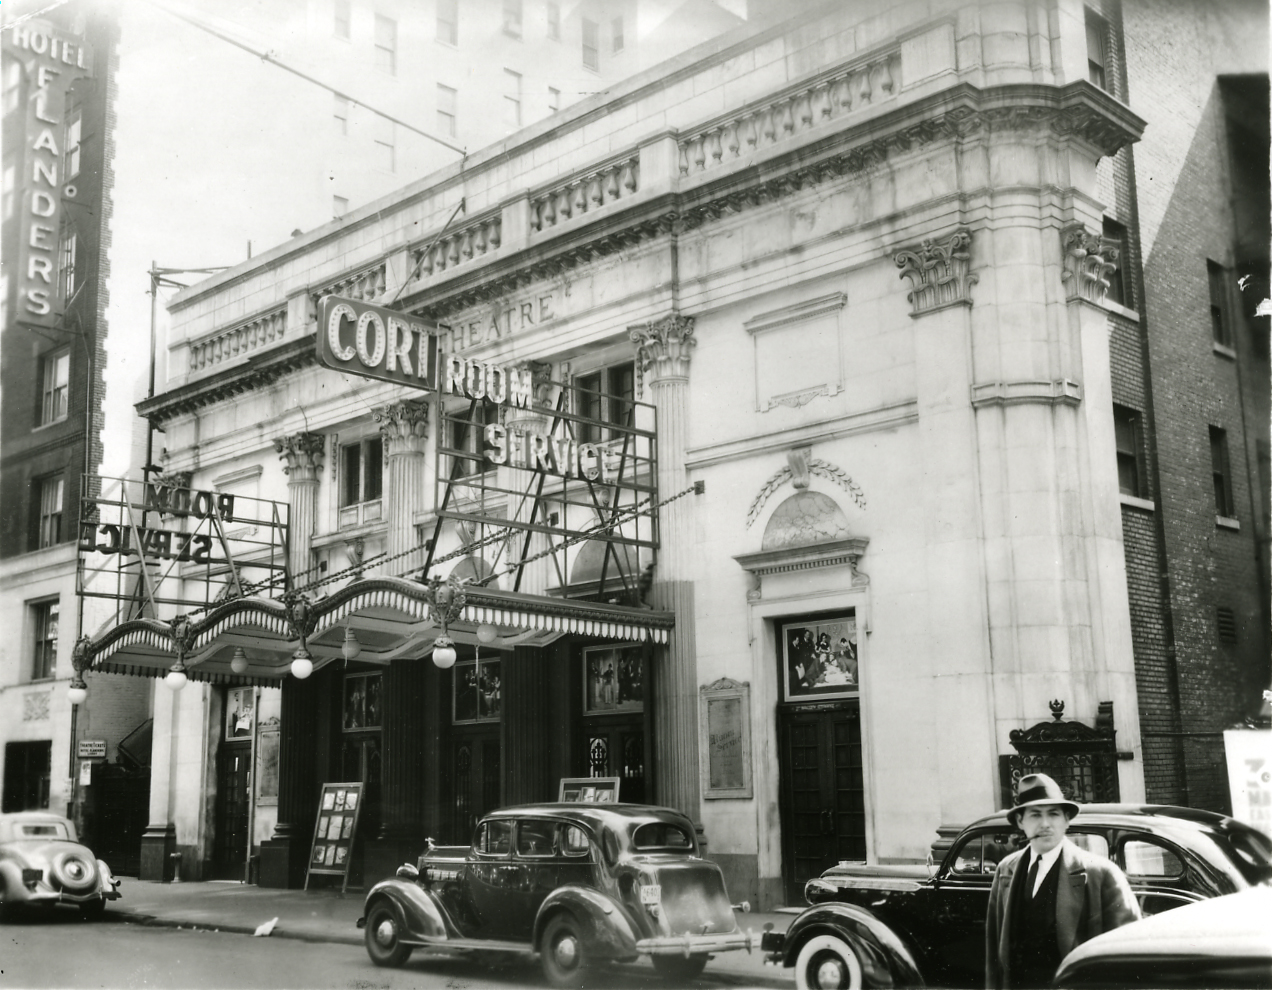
(689, 945)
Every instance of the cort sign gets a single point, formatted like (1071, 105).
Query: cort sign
(373, 342)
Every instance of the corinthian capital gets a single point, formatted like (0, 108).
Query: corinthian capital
(1089, 260)
(939, 272)
(403, 425)
(302, 455)
(663, 348)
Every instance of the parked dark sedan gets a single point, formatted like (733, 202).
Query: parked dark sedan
(1223, 942)
(574, 884)
(906, 926)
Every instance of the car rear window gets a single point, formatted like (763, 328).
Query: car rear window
(1250, 850)
(573, 840)
(1149, 859)
(661, 837)
(44, 830)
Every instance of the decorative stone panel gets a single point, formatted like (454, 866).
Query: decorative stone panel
(35, 706)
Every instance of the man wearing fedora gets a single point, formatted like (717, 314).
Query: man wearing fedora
(1048, 897)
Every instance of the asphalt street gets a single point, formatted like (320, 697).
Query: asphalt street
(61, 950)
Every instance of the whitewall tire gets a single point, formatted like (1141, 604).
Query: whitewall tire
(827, 962)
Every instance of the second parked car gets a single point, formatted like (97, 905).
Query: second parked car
(574, 884)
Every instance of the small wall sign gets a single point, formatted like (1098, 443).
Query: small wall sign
(724, 725)
(91, 749)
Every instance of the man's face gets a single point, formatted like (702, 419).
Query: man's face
(1044, 826)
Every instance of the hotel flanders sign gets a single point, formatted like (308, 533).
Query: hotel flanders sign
(51, 60)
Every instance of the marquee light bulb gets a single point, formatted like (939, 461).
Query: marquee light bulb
(444, 654)
(77, 694)
(486, 633)
(238, 662)
(301, 666)
(176, 677)
(351, 647)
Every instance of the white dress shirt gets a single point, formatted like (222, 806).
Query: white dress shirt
(1045, 862)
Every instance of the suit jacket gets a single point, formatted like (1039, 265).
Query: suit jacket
(1093, 897)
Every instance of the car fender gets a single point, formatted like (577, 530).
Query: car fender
(418, 911)
(886, 959)
(107, 883)
(607, 929)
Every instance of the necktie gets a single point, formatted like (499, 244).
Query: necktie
(1033, 873)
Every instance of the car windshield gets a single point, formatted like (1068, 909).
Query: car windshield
(662, 837)
(1249, 850)
(42, 830)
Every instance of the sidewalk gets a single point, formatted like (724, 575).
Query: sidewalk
(324, 915)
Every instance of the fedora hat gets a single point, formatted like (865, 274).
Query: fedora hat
(1037, 789)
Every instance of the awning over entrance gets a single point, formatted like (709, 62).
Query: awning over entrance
(390, 617)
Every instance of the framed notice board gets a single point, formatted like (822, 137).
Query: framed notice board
(337, 824)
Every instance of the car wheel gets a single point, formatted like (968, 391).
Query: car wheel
(93, 910)
(826, 962)
(384, 936)
(680, 968)
(563, 952)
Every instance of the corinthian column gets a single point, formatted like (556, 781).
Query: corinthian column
(302, 455)
(663, 349)
(404, 427)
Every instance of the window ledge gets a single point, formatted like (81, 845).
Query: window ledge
(1119, 310)
(1227, 522)
(1134, 502)
(1224, 351)
(51, 422)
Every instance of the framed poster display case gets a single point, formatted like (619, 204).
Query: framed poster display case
(332, 851)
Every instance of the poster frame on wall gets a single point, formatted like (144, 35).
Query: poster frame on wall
(813, 669)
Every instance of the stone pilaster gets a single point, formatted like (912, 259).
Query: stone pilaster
(404, 427)
(663, 351)
(302, 455)
(283, 854)
(526, 746)
(404, 770)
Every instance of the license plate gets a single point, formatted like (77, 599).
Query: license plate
(32, 876)
(651, 894)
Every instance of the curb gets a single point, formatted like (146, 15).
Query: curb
(154, 921)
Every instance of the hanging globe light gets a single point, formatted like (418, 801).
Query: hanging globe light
(302, 664)
(351, 647)
(176, 677)
(77, 694)
(486, 633)
(444, 654)
(238, 662)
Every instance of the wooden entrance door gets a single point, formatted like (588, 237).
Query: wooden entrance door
(229, 851)
(475, 763)
(823, 793)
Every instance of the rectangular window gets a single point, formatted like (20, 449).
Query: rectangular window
(74, 125)
(1128, 435)
(1119, 282)
(361, 471)
(45, 617)
(340, 110)
(1220, 471)
(591, 45)
(12, 85)
(27, 768)
(50, 522)
(1220, 325)
(386, 44)
(606, 396)
(1097, 39)
(339, 207)
(617, 35)
(512, 18)
(56, 374)
(448, 21)
(466, 433)
(554, 99)
(385, 146)
(447, 115)
(66, 262)
(554, 20)
(512, 98)
(342, 20)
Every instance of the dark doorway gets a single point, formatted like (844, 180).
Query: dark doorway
(822, 789)
(26, 775)
(229, 848)
(120, 809)
(615, 747)
(475, 763)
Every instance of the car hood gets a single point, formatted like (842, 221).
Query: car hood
(693, 897)
(40, 852)
(1235, 925)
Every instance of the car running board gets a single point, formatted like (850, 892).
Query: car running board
(472, 945)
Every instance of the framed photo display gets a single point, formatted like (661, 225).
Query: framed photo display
(477, 691)
(819, 658)
(331, 853)
(240, 705)
(613, 679)
(361, 701)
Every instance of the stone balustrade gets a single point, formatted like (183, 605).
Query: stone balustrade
(848, 90)
(583, 193)
(365, 285)
(474, 240)
(242, 339)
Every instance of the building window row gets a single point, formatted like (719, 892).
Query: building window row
(1221, 472)
(45, 617)
(1097, 44)
(55, 377)
(1220, 313)
(51, 490)
(1128, 434)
